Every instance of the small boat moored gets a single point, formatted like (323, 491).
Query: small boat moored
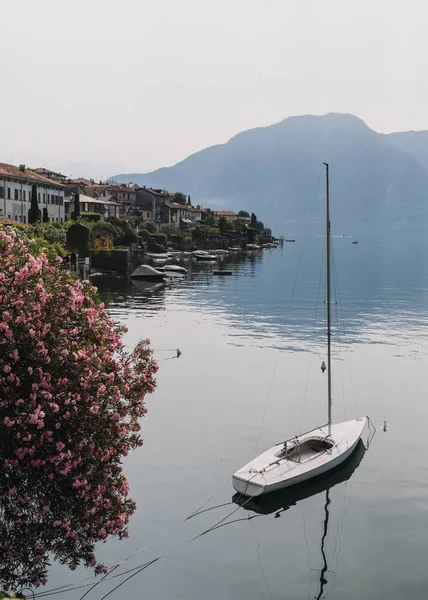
(203, 255)
(148, 273)
(172, 269)
(314, 452)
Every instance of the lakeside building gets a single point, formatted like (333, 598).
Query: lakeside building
(229, 215)
(104, 207)
(50, 174)
(16, 185)
(122, 193)
(157, 199)
(181, 215)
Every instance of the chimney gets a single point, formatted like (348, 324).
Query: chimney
(22, 167)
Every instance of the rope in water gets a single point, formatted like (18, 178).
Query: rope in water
(122, 562)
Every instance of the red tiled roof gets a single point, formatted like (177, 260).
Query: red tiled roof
(157, 192)
(43, 171)
(225, 213)
(6, 221)
(114, 188)
(10, 171)
(183, 206)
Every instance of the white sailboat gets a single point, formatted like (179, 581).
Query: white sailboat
(314, 452)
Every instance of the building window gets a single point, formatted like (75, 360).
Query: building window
(24, 218)
(61, 201)
(38, 195)
(8, 193)
(9, 217)
(44, 198)
(25, 197)
(16, 194)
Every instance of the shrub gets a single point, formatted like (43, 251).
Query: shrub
(78, 238)
(111, 260)
(93, 217)
(161, 239)
(102, 235)
(49, 231)
(70, 403)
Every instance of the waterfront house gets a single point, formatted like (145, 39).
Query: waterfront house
(16, 185)
(157, 199)
(50, 174)
(182, 215)
(229, 215)
(144, 211)
(122, 193)
(104, 206)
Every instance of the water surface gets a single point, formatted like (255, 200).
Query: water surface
(249, 376)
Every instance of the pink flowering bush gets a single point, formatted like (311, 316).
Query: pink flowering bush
(71, 400)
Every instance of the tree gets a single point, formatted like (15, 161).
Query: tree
(34, 212)
(180, 198)
(45, 215)
(253, 220)
(222, 224)
(149, 226)
(78, 238)
(209, 218)
(71, 401)
(189, 202)
(243, 213)
(76, 207)
(168, 229)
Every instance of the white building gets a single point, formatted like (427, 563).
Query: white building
(16, 185)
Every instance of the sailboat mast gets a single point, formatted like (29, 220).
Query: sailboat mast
(327, 194)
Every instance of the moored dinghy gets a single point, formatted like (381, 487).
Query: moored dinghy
(310, 454)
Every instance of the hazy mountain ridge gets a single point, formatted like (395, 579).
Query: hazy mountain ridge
(275, 171)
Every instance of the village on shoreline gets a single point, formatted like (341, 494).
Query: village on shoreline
(110, 225)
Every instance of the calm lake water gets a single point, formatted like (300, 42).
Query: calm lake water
(249, 376)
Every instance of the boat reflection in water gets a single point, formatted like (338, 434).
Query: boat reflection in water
(278, 502)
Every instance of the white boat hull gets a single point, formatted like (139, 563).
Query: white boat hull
(270, 472)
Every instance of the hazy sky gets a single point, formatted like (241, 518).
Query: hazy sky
(144, 83)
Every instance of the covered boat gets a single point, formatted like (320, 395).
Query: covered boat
(147, 273)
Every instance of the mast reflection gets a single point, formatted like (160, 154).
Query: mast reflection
(277, 502)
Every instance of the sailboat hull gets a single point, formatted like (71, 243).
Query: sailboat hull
(275, 469)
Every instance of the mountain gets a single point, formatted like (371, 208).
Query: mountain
(413, 142)
(275, 172)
